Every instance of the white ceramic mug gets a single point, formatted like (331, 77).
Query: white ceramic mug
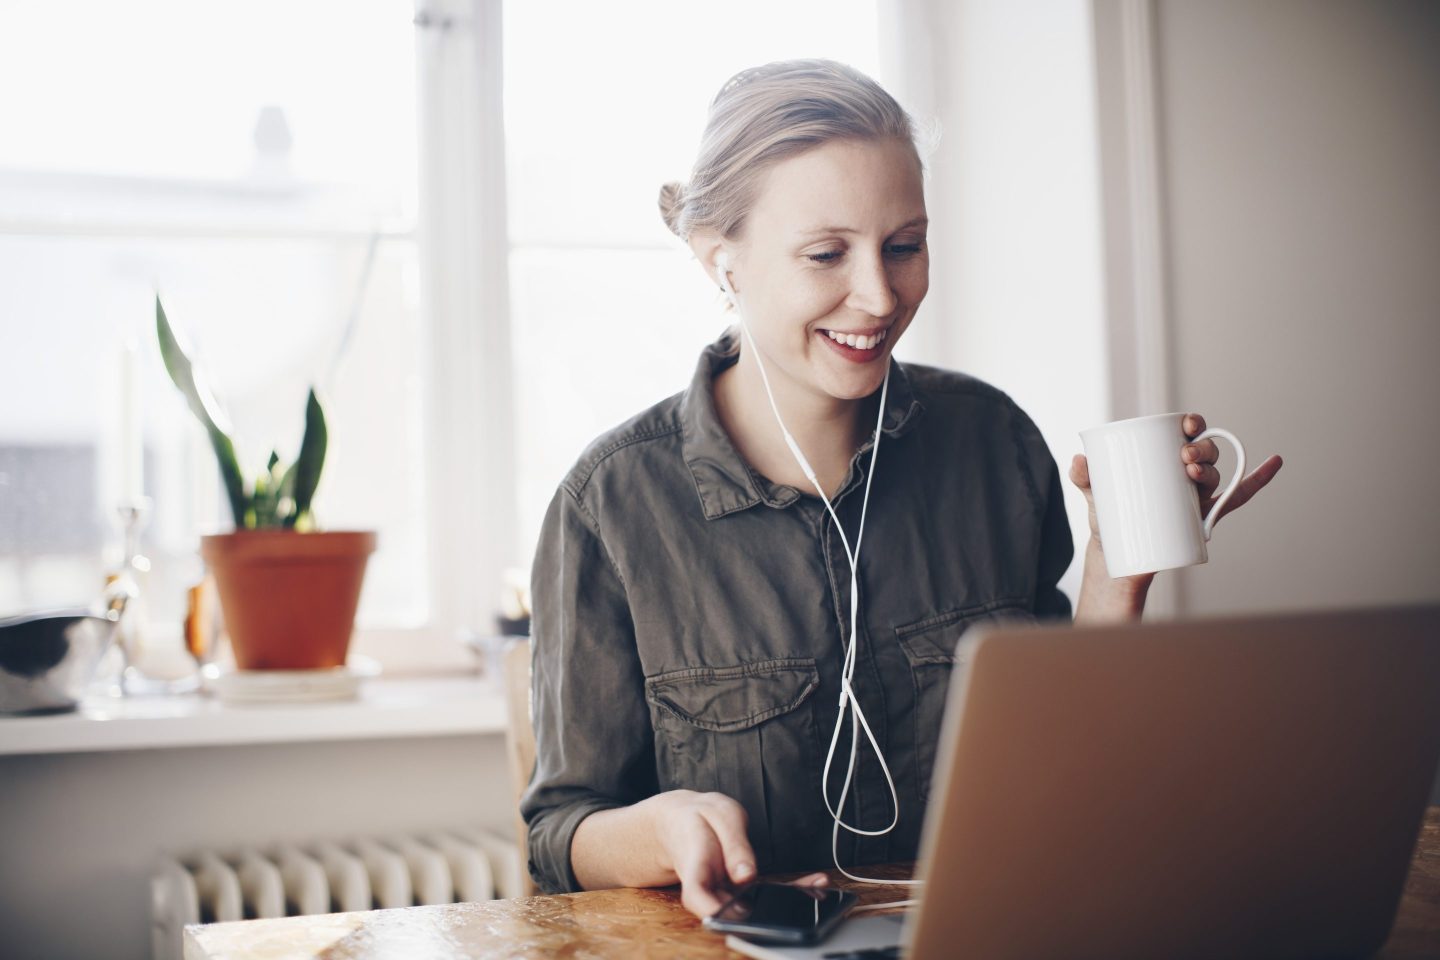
(1147, 505)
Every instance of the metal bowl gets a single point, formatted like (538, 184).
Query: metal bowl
(47, 659)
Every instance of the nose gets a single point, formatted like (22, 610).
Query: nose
(870, 289)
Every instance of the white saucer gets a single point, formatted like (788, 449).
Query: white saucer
(291, 686)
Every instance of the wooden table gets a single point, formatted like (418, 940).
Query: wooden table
(627, 924)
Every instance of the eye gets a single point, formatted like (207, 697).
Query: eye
(825, 256)
(902, 250)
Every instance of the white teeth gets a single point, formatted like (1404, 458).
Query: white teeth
(857, 341)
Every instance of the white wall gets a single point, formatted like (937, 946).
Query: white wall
(1299, 245)
(1301, 184)
(81, 833)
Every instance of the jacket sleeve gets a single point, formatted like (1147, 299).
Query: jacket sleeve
(594, 745)
(1056, 543)
(1057, 550)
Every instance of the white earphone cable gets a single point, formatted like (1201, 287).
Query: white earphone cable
(848, 698)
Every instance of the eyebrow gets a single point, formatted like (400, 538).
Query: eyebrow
(917, 222)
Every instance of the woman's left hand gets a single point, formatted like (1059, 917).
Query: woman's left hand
(1124, 598)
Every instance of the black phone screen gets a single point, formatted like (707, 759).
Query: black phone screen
(781, 911)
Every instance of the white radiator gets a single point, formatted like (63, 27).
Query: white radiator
(291, 880)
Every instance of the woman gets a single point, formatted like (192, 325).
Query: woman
(697, 621)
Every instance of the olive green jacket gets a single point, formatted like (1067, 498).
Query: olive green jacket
(690, 615)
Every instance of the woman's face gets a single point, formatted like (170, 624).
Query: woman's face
(833, 264)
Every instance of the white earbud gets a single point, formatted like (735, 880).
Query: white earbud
(722, 270)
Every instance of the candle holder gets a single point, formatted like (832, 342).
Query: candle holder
(133, 516)
(136, 676)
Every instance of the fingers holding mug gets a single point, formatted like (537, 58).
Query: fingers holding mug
(1203, 452)
(1206, 477)
(1200, 455)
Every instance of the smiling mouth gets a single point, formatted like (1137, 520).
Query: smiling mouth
(858, 341)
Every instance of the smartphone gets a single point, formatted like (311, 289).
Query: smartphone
(781, 913)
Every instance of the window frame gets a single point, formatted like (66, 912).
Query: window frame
(463, 241)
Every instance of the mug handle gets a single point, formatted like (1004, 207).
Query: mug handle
(1214, 513)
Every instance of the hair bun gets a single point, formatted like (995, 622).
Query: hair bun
(672, 205)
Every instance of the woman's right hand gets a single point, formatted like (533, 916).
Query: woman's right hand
(694, 839)
(703, 844)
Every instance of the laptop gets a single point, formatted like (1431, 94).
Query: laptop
(1237, 787)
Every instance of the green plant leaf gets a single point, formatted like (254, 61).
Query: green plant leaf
(207, 411)
(287, 491)
(264, 501)
(274, 459)
(312, 458)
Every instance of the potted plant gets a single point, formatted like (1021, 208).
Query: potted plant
(287, 591)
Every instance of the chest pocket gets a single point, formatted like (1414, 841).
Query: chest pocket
(934, 650)
(749, 732)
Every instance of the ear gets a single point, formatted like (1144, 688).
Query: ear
(707, 246)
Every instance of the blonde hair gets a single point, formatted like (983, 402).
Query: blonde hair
(764, 115)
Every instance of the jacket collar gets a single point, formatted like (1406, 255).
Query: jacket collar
(724, 482)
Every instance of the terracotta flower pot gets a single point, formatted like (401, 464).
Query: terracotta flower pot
(288, 598)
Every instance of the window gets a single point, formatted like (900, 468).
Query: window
(256, 165)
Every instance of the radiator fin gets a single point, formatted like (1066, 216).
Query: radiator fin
(306, 889)
(346, 877)
(219, 890)
(469, 867)
(261, 888)
(389, 875)
(429, 873)
(505, 859)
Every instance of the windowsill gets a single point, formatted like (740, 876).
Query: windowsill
(387, 708)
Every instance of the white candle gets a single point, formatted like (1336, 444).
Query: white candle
(132, 437)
